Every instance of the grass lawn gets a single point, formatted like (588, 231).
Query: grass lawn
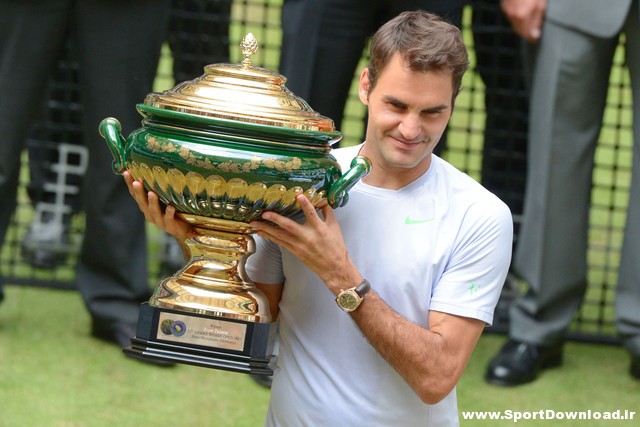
(53, 374)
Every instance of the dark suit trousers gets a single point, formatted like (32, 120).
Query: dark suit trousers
(118, 46)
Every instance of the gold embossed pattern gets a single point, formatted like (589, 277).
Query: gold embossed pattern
(213, 196)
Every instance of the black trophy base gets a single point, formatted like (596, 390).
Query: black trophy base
(251, 359)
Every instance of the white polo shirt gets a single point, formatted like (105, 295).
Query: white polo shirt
(441, 243)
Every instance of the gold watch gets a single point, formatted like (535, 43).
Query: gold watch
(350, 299)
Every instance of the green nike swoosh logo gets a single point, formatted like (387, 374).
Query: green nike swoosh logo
(410, 221)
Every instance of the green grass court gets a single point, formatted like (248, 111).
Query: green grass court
(53, 374)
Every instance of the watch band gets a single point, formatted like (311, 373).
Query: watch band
(350, 299)
(363, 288)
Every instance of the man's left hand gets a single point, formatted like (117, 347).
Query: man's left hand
(317, 243)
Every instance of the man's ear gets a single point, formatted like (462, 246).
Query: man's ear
(363, 87)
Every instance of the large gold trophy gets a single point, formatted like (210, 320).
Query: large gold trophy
(223, 148)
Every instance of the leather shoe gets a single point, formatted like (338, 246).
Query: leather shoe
(635, 367)
(264, 380)
(520, 363)
(120, 334)
(116, 333)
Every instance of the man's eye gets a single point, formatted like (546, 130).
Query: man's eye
(432, 113)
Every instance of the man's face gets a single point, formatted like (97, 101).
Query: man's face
(408, 112)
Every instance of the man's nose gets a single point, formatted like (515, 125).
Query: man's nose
(410, 127)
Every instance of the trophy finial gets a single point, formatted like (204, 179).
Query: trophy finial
(249, 46)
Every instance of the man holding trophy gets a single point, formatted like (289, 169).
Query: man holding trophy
(381, 302)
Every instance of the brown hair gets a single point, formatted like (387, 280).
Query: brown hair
(425, 41)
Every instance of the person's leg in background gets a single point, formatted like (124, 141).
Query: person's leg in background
(198, 35)
(498, 52)
(552, 245)
(118, 51)
(322, 43)
(31, 38)
(57, 163)
(499, 62)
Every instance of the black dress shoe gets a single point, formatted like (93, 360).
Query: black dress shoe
(116, 333)
(520, 363)
(635, 367)
(121, 334)
(264, 380)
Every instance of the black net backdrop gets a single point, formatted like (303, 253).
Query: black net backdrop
(486, 138)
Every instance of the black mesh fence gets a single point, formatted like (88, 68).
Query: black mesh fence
(486, 138)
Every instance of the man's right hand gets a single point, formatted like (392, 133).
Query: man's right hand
(150, 206)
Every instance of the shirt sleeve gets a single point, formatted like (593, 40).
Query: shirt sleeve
(472, 281)
(265, 265)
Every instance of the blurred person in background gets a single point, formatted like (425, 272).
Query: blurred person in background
(118, 46)
(571, 45)
(498, 53)
(57, 159)
(198, 35)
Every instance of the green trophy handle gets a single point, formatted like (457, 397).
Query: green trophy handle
(338, 193)
(110, 129)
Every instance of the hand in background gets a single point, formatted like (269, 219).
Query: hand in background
(526, 17)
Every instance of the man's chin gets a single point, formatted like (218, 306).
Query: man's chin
(397, 161)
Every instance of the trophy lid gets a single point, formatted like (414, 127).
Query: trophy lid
(242, 93)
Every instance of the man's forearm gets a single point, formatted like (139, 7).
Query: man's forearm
(429, 361)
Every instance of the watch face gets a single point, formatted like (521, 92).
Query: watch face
(347, 300)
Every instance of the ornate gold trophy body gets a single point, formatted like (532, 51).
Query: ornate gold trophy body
(222, 149)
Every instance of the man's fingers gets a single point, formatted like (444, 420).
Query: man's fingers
(154, 207)
(308, 209)
(155, 212)
(128, 179)
(136, 189)
(275, 224)
(535, 26)
(329, 217)
(526, 17)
